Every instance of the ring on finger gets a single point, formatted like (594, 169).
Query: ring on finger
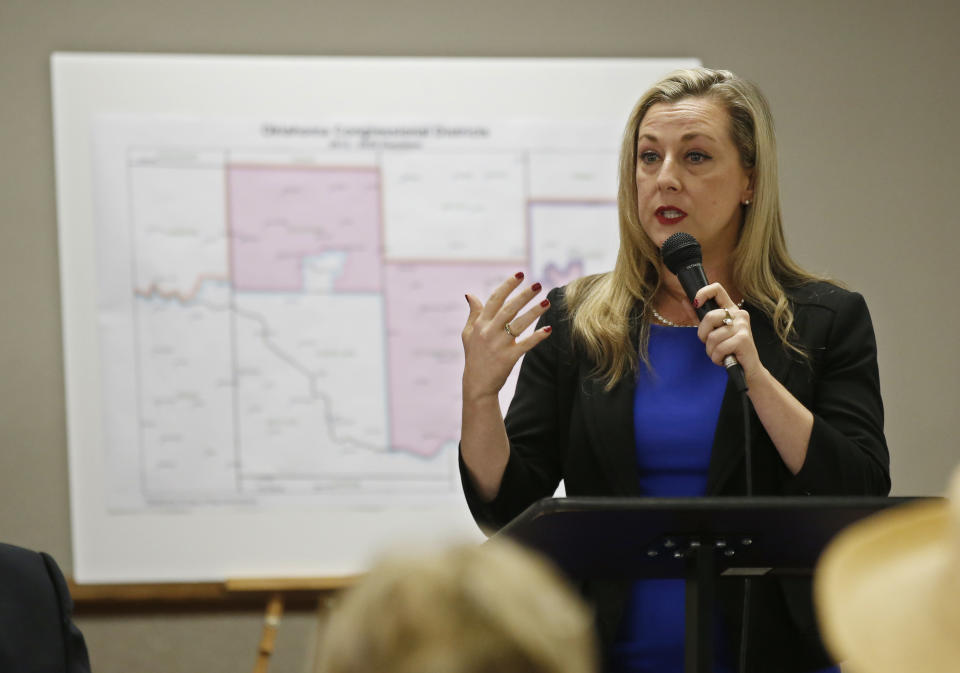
(727, 319)
(506, 328)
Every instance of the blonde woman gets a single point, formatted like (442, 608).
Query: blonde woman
(468, 609)
(621, 392)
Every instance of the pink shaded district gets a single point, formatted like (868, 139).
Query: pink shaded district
(426, 311)
(279, 216)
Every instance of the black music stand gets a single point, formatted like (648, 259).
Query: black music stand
(697, 539)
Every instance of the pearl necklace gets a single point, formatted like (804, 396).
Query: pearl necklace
(670, 323)
(667, 322)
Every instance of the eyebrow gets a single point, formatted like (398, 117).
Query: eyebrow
(685, 137)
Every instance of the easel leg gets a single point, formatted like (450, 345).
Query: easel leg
(271, 622)
(323, 614)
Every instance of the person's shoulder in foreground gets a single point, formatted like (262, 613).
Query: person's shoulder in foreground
(37, 633)
(464, 609)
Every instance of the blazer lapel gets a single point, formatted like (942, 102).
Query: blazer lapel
(608, 417)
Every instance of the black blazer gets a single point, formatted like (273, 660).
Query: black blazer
(37, 634)
(563, 425)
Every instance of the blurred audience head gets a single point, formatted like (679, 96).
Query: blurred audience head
(491, 608)
(887, 589)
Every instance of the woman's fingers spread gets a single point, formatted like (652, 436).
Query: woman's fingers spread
(475, 308)
(530, 316)
(515, 304)
(495, 302)
(490, 336)
(539, 335)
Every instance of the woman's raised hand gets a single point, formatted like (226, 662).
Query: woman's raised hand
(490, 344)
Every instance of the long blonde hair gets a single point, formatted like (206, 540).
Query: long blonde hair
(608, 309)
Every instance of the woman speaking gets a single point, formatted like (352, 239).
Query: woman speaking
(622, 391)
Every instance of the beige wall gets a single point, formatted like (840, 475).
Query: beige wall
(865, 95)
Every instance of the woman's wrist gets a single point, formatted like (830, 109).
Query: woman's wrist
(758, 379)
(480, 399)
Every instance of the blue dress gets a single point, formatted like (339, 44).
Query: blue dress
(676, 407)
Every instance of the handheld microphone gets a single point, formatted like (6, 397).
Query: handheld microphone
(682, 255)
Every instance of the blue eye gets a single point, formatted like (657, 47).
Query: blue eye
(697, 157)
(648, 157)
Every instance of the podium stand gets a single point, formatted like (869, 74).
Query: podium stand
(697, 539)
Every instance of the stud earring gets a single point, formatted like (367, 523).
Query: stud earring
(746, 202)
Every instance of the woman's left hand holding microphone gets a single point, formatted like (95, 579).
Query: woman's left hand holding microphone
(726, 331)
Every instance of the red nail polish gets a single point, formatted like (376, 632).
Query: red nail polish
(536, 287)
(518, 275)
(696, 303)
(548, 329)
(545, 303)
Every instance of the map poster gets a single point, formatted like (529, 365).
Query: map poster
(281, 303)
(263, 263)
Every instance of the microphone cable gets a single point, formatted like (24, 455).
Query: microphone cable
(747, 581)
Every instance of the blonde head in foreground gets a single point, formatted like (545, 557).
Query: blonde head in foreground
(887, 589)
(469, 609)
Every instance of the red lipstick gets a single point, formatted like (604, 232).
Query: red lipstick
(669, 215)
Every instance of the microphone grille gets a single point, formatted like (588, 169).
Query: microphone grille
(680, 251)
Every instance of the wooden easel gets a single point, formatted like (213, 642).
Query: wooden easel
(271, 622)
(275, 602)
(235, 592)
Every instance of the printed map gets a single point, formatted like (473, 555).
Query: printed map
(281, 305)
